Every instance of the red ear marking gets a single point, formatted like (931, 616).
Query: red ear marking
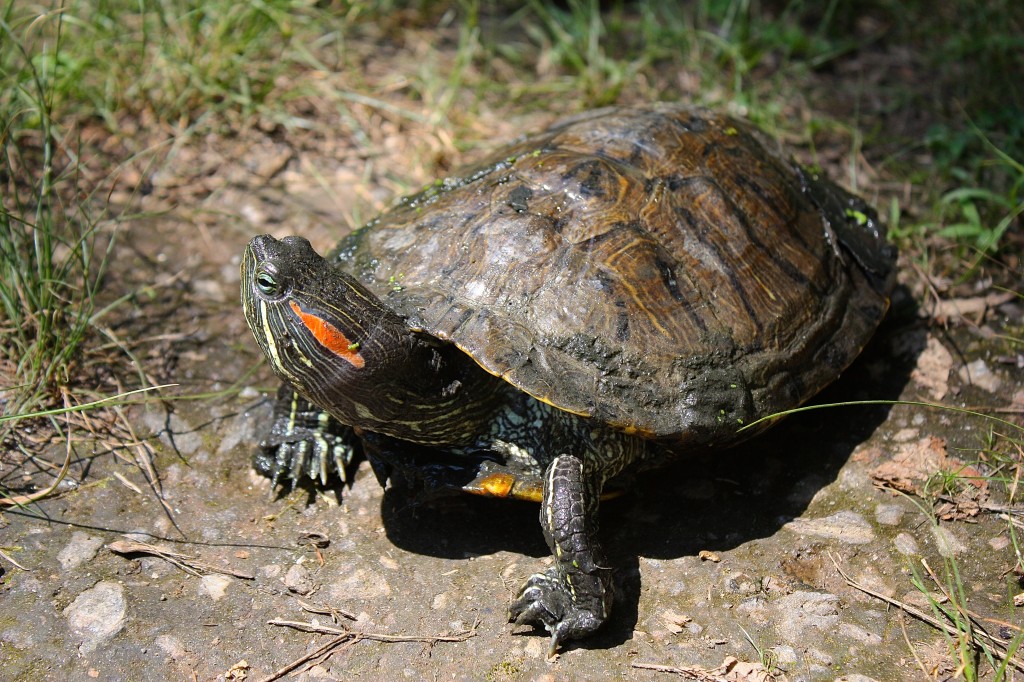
(329, 336)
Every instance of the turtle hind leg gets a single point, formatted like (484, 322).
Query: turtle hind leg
(573, 597)
(305, 442)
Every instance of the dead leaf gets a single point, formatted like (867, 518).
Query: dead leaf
(914, 464)
(239, 671)
(742, 671)
(675, 622)
(911, 468)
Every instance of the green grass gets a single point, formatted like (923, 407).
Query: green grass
(50, 269)
(973, 650)
(146, 71)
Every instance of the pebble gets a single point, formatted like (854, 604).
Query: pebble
(848, 527)
(186, 440)
(786, 655)
(360, 584)
(81, 548)
(856, 632)
(978, 374)
(801, 611)
(948, 544)
(97, 614)
(999, 542)
(298, 580)
(906, 545)
(889, 514)
(171, 646)
(738, 582)
(214, 585)
(243, 429)
(209, 289)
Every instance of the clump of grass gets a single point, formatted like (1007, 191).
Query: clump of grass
(980, 217)
(218, 65)
(50, 269)
(972, 648)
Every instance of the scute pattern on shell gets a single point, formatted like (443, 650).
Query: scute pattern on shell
(658, 268)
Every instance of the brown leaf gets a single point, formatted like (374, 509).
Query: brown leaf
(914, 464)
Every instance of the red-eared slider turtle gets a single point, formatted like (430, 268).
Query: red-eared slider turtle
(628, 286)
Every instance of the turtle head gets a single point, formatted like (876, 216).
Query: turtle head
(342, 348)
(322, 331)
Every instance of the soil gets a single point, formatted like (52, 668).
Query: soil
(724, 564)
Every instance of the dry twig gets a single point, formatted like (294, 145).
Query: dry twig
(183, 561)
(998, 647)
(344, 638)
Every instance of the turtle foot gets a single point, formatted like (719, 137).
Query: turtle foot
(304, 442)
(547, 601)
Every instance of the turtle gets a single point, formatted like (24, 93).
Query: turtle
(628, 286)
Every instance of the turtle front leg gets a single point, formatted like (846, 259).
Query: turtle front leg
(304, 441)
(572, 598)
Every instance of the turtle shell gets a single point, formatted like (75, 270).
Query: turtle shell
(660, 269)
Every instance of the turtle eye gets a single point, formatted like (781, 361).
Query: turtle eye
(267, 283)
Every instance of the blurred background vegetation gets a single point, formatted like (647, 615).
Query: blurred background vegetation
(918, 105)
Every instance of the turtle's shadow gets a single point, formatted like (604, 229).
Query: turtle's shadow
(704, 502)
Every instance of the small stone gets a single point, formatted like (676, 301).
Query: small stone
(171, 646)
(947, 543)
(906, 545)
(932, 370)
(906, 435)
(269, 570)
(81, 548)
(249, 392)
(858, 633)
(978, 374)
(848, 527)
(298, 580)
(800, 611)
(999, 542)
(360, 584)
(738, 582)
(97, 614)
(209, 289)
(889, 514)
(242, 429)
(214, 585)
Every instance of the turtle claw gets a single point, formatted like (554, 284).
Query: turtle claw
(304, 442)
(546, 600)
